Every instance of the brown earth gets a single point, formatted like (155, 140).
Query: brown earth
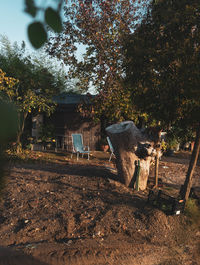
(76, 212)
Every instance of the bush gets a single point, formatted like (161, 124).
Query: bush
(192, 210)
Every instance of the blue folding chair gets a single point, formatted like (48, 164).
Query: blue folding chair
(78, 147)
(111, 148)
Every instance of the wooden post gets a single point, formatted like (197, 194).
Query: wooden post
(137, 176)
(156, 170)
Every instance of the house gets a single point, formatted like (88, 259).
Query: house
(67, 120)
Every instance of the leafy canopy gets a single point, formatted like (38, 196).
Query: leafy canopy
(36, 82)
(99, 26)
(163, 62)
(35, 86)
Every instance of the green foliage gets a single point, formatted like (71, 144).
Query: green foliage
(8, 112)
(37, 30)
(162, 68)
(163, 146)
(36, 84)
(162, 63)
(192, 210)
(183, 133)
(52, 18)
(30, 7)
(99, 26)
(37, 34)
(179, 133)
(47, 131)
(171, 143)
(8, 122)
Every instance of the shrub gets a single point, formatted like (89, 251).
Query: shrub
(192, 210)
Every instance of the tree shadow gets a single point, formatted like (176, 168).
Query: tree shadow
(73, 169)
(109, 194)
(15, 257)
(176, 160)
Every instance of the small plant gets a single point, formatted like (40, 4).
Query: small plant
(172, 143)
(192, 210)
(46, 133)
(163, 146)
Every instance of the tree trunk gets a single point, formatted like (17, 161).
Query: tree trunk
(185, 190)
(20, 131)
(130, 145)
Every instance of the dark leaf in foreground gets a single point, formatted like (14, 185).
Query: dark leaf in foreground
(37, 34)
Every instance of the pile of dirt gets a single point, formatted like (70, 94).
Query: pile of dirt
(80, 214)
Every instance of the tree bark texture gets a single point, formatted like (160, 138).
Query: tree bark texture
(185, 191)
(22, 118)
(131, 146)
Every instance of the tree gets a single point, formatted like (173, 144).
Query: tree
(36, 84)
(162, 68)
(99, 27)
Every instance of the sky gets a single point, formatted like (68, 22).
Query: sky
(14, 21)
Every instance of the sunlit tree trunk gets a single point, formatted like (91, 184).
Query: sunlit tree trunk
(22, 118)
(130, 146)
(185, 191)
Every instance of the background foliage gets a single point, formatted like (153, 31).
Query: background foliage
(99, 27)
(33, 91)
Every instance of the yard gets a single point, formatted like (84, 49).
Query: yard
(63, 211)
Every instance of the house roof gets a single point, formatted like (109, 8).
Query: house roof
(72, 99)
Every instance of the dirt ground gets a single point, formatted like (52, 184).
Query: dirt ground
(64, 211)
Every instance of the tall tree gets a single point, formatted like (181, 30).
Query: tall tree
(99, 26)
(36, 84)
(163, 67)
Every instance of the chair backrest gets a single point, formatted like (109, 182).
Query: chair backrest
(77, 141)
(110, 144)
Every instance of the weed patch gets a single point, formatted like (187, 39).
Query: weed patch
(192, 211)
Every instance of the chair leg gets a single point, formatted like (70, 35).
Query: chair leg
(111, 157)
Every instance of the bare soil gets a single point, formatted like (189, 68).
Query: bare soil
(76, 212)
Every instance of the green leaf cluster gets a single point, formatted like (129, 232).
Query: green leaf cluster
(162, 63)
(37, 30)
(99, 26)
(29, 84)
